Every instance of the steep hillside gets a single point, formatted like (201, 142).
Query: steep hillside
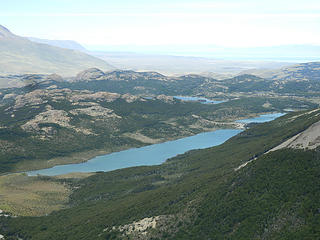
(199, 195)
(19, 55)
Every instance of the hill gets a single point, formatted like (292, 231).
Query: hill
(305, 83)
(299, 82)
(233, 191)
(19, 55)
(303, 72)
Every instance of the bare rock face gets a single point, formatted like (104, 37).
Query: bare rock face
(307, 139)
(90, 74)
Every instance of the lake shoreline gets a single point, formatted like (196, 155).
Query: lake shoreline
(85, 156)
(153, 154)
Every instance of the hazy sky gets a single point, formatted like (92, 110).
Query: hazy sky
(232, 23)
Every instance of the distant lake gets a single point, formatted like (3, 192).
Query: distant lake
(198, 99)
(262, 118)
(153, 154)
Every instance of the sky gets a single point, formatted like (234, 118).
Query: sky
(166, 23)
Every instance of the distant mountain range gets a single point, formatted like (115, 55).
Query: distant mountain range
(68, 44)
(216, 67)
(19, 55)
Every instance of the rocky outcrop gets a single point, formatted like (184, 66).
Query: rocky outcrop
(58, 117)
(90, 74)
(129, 98)
(165, 98)
(138, 229)
(95, 111)
(32, 98)
(106, 96)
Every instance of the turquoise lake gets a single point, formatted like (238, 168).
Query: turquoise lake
(153, 154)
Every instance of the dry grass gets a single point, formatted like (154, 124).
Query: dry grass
(31, 196)
(142, 138)
(77, 175)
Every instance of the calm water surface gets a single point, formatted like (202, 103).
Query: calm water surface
(198, 99)
(262, 118)
(153, 154)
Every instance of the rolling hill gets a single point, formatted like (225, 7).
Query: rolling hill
(303, 72)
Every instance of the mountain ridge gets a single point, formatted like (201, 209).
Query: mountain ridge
(18, 55)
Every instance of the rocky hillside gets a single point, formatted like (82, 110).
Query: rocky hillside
(303, 83)
(153, 83)
(19, 55)
(44, 123)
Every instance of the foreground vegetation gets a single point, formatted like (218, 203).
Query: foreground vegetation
(25, 196)
(197, 195)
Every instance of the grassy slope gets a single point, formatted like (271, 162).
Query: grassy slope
(25, 195)
(273, 197)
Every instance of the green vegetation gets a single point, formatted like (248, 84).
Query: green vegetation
(198, 195)
(61, 136)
